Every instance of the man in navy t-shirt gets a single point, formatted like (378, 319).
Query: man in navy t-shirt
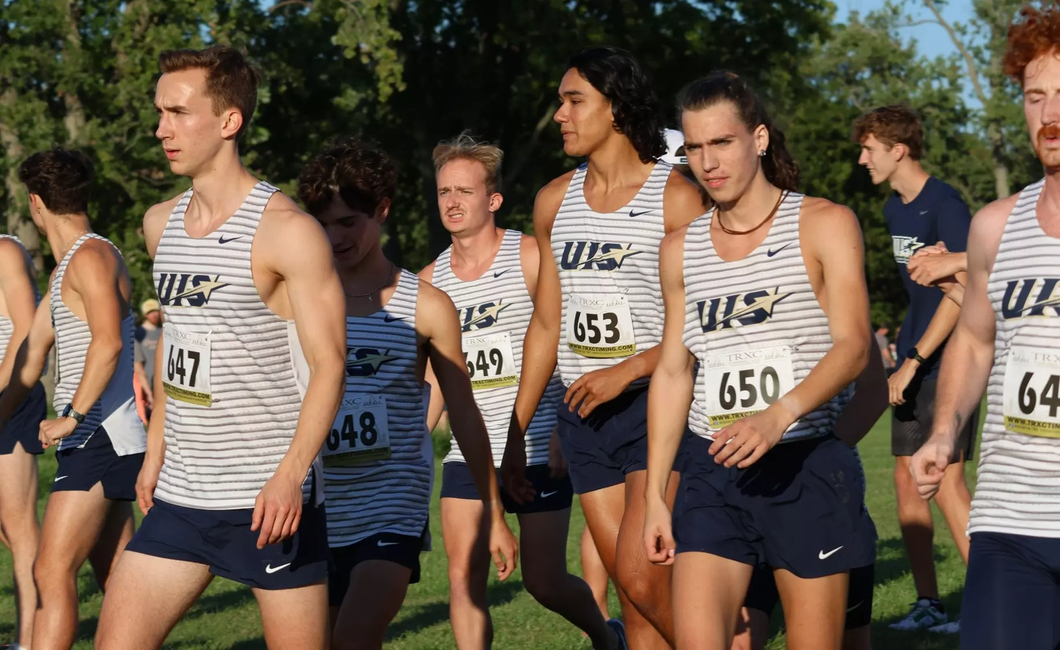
(921, 211)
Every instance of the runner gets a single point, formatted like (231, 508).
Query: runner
(99, 437)
(491, 276)
(598, 229)
(19, 441)
(767, 294)
(251, 373)
(1007, 341)
(921, 210)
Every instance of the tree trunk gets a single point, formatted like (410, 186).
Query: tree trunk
(74, 120)
(997, 152)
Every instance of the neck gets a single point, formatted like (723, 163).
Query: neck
(615, 162)
(752, 207)
(1050, 197)
(368, 274)
(908, 180)
(478, 248)
(220, 187)
(64, 231)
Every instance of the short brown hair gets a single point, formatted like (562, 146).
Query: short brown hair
(231, 80)
(1034, 32)
(61, 178)
(360, 175)
(466, 147)
(892, 125)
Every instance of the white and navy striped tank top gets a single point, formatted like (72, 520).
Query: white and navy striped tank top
(494, 312)
(233, 370)
(115, 410)
(609, 274)
(1018, 489)
(7, 326)
(388, 488)
(755, 327)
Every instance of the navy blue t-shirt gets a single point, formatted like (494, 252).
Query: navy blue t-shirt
(936, 214)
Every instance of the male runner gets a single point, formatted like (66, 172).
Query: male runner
(491, 276)
(99, 436)
(378, 458)
(1008, 342)
(19, 441)
(766, 292)
(250, 374)
(598, 304)
(921, 211)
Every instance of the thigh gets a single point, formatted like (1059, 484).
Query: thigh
(814, 609)
(603, 510)
(377, 589)
(295, 618)
(465, 534)
(707, 618)
(18, 485)
(630, 544)
(543, 541)
(146, 597)
(72, 525)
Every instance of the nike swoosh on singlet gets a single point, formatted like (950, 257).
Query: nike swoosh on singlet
(497, 275)
(771, 252)
(634, 215)
(222, 240)
(390, 319)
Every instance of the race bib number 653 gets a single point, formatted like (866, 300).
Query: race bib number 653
(600, 327)
(186, 373)
(1032, 392)
(745, 382)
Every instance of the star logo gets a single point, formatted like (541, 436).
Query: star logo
(362, 362)
(616, 254)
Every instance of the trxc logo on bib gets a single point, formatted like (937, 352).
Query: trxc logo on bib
(481, 316)
(1018, 301)
(739, 309)
(595, 256)
(365, 362)
(904, 247)
(187, 289)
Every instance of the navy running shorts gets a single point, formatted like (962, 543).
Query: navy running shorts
(80, 468)
(24, 427)
(551, 494)
(403, 550)
(911, 423)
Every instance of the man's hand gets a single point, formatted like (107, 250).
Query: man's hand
(928, 465)
(278, 509)
(503, 546)
(513, 470)
(595, 388)
(743, 442)
(658, 532)
(146, 481)
(52, 431)
(936, 266)
(900, 380)
(557, 464)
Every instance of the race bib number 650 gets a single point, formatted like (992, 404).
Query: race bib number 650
(186, 373)
(745, 382)
(600, 327)
(1032, 392)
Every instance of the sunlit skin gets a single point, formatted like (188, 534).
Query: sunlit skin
(879, 159)
(723, 153)
(464, 201)
(584, 116)
(353, 233)
(188, 124)
(1041, 107)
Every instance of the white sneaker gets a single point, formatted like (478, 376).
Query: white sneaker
(953, 627)
(922, 616)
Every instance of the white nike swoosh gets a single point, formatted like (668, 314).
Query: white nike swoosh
(850, 609)
(270, 569)
(821, 555)
(59, 478)
(382, 543)
(545, 495)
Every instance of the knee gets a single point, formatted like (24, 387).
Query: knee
(466, 580)
(543, 585)
(635, 582)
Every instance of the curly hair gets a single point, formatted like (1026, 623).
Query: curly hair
(1034, 32)
(892, 125)
(231, 80)
(61, 178)
(360, 175)
(636, 108)
(465, 147)
(779, 167)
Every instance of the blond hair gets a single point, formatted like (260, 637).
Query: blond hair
(466, 147)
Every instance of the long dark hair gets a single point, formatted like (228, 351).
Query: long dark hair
(637, 110)
(719, 86)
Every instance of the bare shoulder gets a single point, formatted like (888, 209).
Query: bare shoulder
(11, 256)
(156, 218)
(821, 217)
(426, 274)
(988, 226)
(682, 201)
(433, 306)
(995, 214)
(285, 224)
(548, 200)
(674, 241)
(93, 257)
(527, 247)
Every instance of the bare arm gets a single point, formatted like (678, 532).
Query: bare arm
(29, 362)
(21, 300)
(868, 403)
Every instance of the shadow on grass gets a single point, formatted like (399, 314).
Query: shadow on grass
(431, 614)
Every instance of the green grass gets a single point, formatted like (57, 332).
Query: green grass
(226, 616)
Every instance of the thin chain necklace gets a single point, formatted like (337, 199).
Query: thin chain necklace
(368, 295)
(771, 214)
(65, 247)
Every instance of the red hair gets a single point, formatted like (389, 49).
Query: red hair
(1035, 32)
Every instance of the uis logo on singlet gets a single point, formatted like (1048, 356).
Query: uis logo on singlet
(595, 256)
(365, 362)
(187, 289)
(904, 247)
(1031, 297)
(481, 316)
(739, 309)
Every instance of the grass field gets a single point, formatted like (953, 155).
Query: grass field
(227, 617)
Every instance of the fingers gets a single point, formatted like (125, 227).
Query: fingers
(575, 394)
(588, 405)
(722, 438)
(741, 447)
(759, 451)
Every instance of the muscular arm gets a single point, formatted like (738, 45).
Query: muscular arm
(869, 400)
(437, 403)
(29, 362)
(21, 300)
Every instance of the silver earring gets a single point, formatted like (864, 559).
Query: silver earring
(762, 153)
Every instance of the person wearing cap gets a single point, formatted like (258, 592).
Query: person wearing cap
(147, 336)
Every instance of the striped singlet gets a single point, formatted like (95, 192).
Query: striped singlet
(233, 371)
(7, 327)
(494, 312)
(755, 327)
(609, 273)
(115, 410)
(378, 458)
(1018, 489)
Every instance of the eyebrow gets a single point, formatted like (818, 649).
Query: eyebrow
(455, 187)
(176, 107)
(720, 138)
(570, 93)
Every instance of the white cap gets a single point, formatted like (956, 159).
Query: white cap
(675, 140)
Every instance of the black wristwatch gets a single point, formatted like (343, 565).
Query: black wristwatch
(913, 354)
(69, 412)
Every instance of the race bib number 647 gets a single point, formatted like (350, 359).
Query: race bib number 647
(186, 374)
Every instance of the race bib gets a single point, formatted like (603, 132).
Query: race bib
(360, 434)
(186, 376)
(600, 326)
(745, 382)
(490, 361)
(1032, 392)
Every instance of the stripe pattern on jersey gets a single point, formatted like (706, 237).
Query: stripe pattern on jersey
(500, 302)
(219, 457)
(7, 326)
(611, 253)
(391, 495)
(1018, 488)
(116, 408)
(775, 268)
